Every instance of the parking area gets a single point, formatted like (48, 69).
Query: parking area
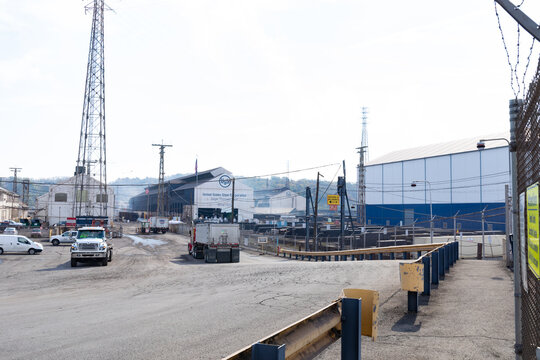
(154, 301)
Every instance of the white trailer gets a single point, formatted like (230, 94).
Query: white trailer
(159, 224)
(215, 242)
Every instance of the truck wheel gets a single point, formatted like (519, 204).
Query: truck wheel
(31, 251)
(73, 263)
(104, 262)
(1, 251)
(55, 242)
(110, 256)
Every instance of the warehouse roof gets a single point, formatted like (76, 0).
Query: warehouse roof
(188, 181)
(446, 148)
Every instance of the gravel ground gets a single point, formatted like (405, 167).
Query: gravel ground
(154, 301)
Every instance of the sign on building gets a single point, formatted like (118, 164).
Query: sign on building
(332, 199)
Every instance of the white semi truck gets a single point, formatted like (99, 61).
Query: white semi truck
(159, 224)
(91, 245)
(215, 242)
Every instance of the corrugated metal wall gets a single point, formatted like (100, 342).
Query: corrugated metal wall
(465, 182)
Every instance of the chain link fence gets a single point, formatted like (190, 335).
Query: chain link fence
(528, 173)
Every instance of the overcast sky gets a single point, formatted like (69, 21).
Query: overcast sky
(251, 85)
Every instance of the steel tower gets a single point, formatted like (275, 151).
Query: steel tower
(362, 150)
(92, 159)
(161, 184)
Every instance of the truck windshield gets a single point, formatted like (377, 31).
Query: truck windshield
(91, 234)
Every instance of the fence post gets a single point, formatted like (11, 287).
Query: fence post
(412, 301)
(441, 263)
(446, 258)
(351, 325)
(435, 267)
(427, 280)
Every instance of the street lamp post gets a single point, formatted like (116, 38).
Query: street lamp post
(512, 168)
(413, 184)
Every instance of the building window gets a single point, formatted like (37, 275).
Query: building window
(102, 198)
(60, 197)
(84, 197)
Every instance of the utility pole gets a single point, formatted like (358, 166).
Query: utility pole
(161, 183)
(341, 193)
(232, 203)
(26, 191)
(92, 156)
(316, 211)
(308, 198)
(15, 170)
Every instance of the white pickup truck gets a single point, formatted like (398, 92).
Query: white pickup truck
(67, 237)
(91, 245)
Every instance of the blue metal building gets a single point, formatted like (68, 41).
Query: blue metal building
(455, 176)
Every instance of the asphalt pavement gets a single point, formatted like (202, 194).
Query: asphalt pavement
(154, 301)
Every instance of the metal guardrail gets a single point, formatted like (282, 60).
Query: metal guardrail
(417, 277)
(360, 254)
(344, 318)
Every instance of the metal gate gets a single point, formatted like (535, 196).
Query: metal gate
(528, 173)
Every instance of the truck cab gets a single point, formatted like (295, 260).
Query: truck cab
(91, 245)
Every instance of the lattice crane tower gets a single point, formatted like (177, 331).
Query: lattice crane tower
(92, 158)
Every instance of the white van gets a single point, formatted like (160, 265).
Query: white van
(18, 243)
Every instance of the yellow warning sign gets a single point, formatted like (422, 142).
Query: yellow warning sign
(332, 199)
(533, 228)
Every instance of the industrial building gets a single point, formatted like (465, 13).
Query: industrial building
(206, 194)
(57, 204)
(454, 177)
(281, 201)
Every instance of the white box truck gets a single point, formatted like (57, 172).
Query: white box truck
(159, 224)
(215, 242)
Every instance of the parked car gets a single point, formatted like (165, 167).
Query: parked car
(15, 224)
(10, 231)
(67, 237)
(36, 233)
(17, 243)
